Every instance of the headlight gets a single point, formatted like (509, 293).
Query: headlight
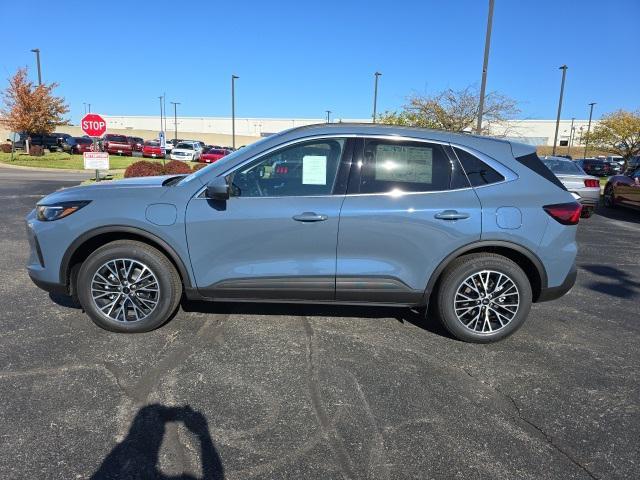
(48, 213)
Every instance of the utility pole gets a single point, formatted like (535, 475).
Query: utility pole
(175, 120)
(485, 67)
(375, 96)
(586, 141)
(571, 132)
(85, 107)
(328, 113)
(37, 52)
(89, 107)
(164, 107)
(233, 110)
(555, 138)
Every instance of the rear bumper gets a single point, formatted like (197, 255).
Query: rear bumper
(553, 293)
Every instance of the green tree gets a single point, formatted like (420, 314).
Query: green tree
(455, 110)
(617, 132)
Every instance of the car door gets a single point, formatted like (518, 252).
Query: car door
(275, 237)
(408, 206)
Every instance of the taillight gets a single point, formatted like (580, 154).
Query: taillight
(565, 213)
(591, 183)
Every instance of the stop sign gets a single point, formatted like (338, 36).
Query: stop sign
(93, 125)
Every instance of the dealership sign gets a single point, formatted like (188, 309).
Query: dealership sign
(93, 125)
(96, 160)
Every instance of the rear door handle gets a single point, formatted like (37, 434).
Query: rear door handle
(310, 217)
(451, 215)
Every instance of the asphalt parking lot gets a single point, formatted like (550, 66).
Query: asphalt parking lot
(264, 391)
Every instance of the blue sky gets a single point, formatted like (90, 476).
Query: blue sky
(297, 58)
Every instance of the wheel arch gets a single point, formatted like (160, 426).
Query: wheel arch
(86, 243)
(525, 258)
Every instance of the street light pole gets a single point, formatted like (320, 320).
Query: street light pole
(85, 107)
(375, 95)
(233, 110)
(571, 132)
(328, 113)
(555, 138)
(485, 67)
(164, 107)
(160, 98)
(175, 120)
(37, 52)
(586, 141)
(89, 107)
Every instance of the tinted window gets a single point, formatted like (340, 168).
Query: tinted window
(185, 146)
(83, 140)
(532, 162)
(407, 166)
(479, 173)
(303, 169)
(116, 138)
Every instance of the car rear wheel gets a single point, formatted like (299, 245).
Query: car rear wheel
(128, 286)
(609, 197)
(483, 297)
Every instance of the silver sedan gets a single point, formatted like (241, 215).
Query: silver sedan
(586, 187)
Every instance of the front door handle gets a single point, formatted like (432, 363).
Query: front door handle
(310, 217)
(451, 215)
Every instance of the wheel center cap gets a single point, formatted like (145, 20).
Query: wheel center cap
(125, 290)
(485, 301)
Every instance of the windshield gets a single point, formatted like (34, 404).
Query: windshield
(563, 166)
(83, 140)
(250, 149)
(116, 138)
(151, 144)
(185, 146)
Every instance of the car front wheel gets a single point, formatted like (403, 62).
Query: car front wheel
(483, 297)
(128, 286)
(609, 197)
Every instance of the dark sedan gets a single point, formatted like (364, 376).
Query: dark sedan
(593, 166)
(623, 190)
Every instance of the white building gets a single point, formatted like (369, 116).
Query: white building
(534, 132)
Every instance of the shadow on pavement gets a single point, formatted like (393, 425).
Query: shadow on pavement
(136, 457)
(622, 214)
(619, 285)
(415, 317)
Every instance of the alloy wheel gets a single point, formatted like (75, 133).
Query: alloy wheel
(125, 290)
(486, 301)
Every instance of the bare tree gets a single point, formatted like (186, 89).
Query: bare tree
(455, 110)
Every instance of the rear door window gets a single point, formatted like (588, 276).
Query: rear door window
(404, 166)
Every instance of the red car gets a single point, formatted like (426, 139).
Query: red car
(151, 149)
(117, 145)
(137, 143)
(624, 189)
(213, 155)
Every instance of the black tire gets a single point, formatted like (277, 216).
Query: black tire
(168, 281)
(609, 197)
(452, 279)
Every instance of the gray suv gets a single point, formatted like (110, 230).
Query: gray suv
(335, 213)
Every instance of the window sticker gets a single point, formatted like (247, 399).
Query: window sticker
(397, 163)
(314, 170)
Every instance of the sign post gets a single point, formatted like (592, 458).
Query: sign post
(163, 145)
(94, 125)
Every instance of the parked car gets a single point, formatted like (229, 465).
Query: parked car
(186, 151)
(210, 155)
(168, 145)
(633, 163)
(51, 142)
(586, 187)
(614, 166)
(623, 190)
(76, 145)
(117, 145)
(592, 166)
(151, 149)
(479, 226)
(136, 143)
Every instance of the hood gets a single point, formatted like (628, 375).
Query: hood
(106, 188)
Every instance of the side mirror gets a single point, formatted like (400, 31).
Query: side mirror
(218, 189)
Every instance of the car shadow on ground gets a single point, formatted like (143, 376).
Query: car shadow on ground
(622, 214)
(136, 457)
(619, 284)
(415, 317)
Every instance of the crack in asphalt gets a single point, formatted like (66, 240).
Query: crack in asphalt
(328, 431)
(548, 438)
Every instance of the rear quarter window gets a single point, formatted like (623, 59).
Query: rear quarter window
(532, 162)
(478, 172)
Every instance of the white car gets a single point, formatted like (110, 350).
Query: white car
(168, 145)
(186, 151)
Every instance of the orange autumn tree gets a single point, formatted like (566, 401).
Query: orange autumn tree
(34, 110)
